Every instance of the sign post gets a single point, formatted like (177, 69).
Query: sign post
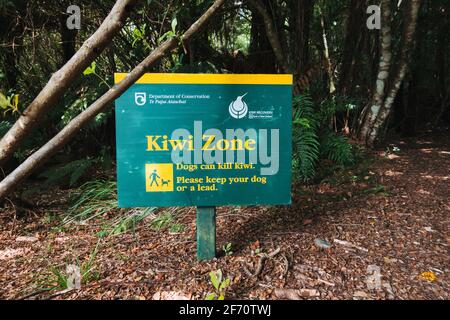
(204, 140)
(206, 233)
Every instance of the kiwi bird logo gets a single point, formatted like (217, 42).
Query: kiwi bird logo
(238, 108)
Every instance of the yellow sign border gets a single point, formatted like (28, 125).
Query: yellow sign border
(204, 78)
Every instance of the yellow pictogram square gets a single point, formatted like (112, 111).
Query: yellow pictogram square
(159, 177)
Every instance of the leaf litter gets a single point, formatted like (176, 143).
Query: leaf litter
(384, 245)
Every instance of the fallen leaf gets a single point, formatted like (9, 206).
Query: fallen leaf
(171, 295)
(428, 276)
(12, 253)
(388, 260)
(255, 245)
(296, 294)
(360, 294)
(429, 229)
(26, 239)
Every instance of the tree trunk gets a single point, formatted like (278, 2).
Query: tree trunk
(63, 78)
(355, 32)
(326, 56)
(261, 58)
(272, 35)
(300, 19)
(64, 136)
(441, 67)
(411, 107)
(406, 46)
(371, 111)
(68, 38)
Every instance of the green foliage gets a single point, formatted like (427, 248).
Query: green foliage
(4, 127)
(57, 278)
(9, 104)
(171, 33)
(162, 221)
(227, 249)
(313, 140)
(220, 285)
(140, 37)
(91, 69)
(165, 221)
(197, 67)
(87, 269)
(305, 140)
(94, 199)
(176, 228)
(6, 4)
(125, 222)
(80, 104)
(337, 148)
(379, 189)
(99, 198)
(73, 171)
(234, 40)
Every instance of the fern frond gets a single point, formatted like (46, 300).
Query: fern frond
(306, 153)
(336, 148)
(73, 170)
(305, 140)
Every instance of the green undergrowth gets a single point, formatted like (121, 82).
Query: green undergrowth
(97, 200)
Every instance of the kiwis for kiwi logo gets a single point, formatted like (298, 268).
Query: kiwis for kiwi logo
(238, 108)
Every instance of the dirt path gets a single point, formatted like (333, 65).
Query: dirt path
(395, 213)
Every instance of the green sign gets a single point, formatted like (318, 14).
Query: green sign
(204, 140)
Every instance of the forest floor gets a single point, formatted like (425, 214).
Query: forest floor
(386, 221)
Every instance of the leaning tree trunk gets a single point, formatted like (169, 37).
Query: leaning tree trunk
(63, 78)
(406, 48)
(50, 148)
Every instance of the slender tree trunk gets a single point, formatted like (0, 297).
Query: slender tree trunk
(261, 58)
(64, 136)
(411, 107)
(371, 112)
(326, 56)
(272, 35)
(354, 36)
(10, 66)
(406, 48)
(68, 38)
(441, 67)
(300, 19)
(63, 78)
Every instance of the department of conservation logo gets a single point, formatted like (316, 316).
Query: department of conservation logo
(140, 98)
(238, 108)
